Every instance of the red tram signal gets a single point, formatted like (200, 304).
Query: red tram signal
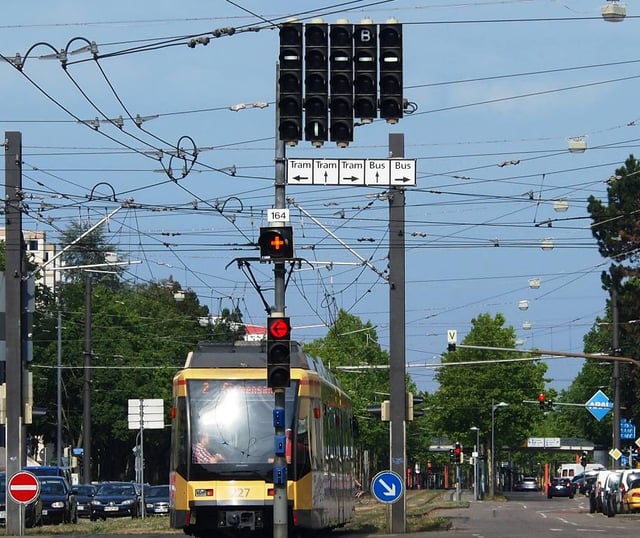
(278, 352)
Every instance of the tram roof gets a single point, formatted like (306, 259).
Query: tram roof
(242, 354)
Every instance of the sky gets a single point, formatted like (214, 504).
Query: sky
(501, 91)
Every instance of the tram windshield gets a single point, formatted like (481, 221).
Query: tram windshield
(232, 421)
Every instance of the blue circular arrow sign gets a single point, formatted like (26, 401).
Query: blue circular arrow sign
(387, 487)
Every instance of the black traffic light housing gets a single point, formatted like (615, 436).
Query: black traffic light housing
(290, 83)
(278, 352)
(276, 243)
(542, 401)
(459, 455)
(341, 84)
(583, 459)
(452, 455)
(365, 76)
(391, 99)
(545, 405)
(316, 83)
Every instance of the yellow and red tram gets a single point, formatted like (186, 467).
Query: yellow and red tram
(222, 395)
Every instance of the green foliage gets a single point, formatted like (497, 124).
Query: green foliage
(349, 342)
(228, 327)
(616, 226)
(467, 393)
(140, 338)
(91, 249)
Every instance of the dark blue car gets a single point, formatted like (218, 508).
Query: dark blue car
(59, 504)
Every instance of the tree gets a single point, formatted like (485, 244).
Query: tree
(141, 336)
(467, 393)
(90, 249)
(228, 327)
(616, 228)
(350, 342)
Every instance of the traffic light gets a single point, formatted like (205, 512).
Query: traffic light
(459, 455)
(365, 77)
(542, 401)
(341, 84)
(316, 83)
(391, 100)
(545, 405)
(410, 410)
(276, 243)
(278, 352)
(583, 458)
(452, 455)
(290, 83)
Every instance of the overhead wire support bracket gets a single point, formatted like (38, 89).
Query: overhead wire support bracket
(245, 263)
(340, 241)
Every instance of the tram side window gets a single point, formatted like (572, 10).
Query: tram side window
(303, 461)
(181, 437)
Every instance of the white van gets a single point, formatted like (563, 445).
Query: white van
(572, 469)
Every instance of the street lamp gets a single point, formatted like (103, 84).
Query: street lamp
(476, 453)
(493, 444)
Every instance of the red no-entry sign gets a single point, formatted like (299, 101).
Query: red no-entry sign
(23, 487)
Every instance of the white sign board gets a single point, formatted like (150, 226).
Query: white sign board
(370, 172)
(146, 413)
(535, 442)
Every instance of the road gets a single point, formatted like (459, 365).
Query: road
(530, 514)
(522, 515)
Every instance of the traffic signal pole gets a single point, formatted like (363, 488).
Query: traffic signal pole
(280, 503)
(14, 367)
(397, 334)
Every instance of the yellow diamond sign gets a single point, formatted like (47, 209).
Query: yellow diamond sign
(615, 454)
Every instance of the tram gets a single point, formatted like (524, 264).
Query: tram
(222, 395)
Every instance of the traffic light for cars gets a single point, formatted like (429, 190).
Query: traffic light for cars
(276, 243)
(341, 84)
(316, 83)
(583, 458)
(391, 100)
(290, 83)
(278, 352)
(452, 455)
(542, 401)
(545, 404)
(365, 77)
(459, 455)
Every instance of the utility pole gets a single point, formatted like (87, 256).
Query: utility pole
(86, 389)
(615, 282)
(15, 443)
(397, 334)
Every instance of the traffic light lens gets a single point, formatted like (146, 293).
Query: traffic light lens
(279, 329)
(390, 36)
(290, 34)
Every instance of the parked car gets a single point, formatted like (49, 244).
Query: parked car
(560, 487)
(631, 499)
(115, 499)
(32, 511)
(583, 482)
(626, 479)
(84, 494)
(156, 500)
(528, 483)
(606, 494)
(59, 504)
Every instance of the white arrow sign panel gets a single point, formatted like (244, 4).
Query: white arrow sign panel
(352, 172)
